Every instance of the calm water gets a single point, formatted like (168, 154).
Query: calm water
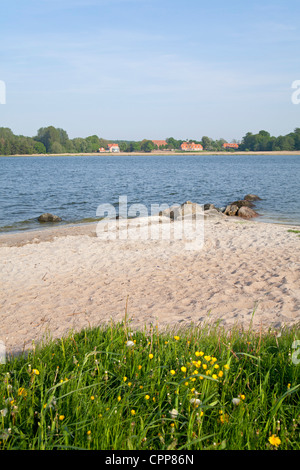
(73, 187)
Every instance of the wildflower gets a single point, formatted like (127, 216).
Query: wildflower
(195, 401)
(139, 367)
(22, 392)
(183, 369)
(124, 379)
(89, 433)
(173, 413)
(147, 397)
(242, 397)
(177, 338)
(119, 398)
(220, 374)
(288, 386)
(4, 412)
(172, 425)
(226, 367)
(172, 372)
(207, 358)
(129, 384)
(274, 440)
(236, 401)
(151, 356)
(133, 412)
(35, 372)
(130, 344)
(61, 418)
(214, 376)
(92, 397)
(204, 366)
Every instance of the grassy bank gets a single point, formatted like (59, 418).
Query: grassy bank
(110, 388)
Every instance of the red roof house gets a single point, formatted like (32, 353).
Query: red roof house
(191, 146)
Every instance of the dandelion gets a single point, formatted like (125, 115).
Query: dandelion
(139, 367)
(124, 379)
(147, 397)
(92, 397)
(22, 392)
(129, 384)
(151, 356)
(183, 369)
(61, 418)
(220, 374)
(172, 372)
(35, 372)
(195, 401)
(207, 358)
(89, 433)
(274, 440)
(133, 412)
(242, 397)
(173, 413)
(177, 338)
(235, 401)
(119, 398)
(226, 367)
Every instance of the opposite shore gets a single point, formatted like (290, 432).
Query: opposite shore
(157, 153)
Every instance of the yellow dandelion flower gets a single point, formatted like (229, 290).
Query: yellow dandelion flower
(151, 356)
(139, 367)
(124, 379)
(129, 384)
(214, 376)
(61, 418)
(147, 397)
(89, 433)
(35, 372)
(183, 369)
(133, 412)
(220, 374)
(207, 358)
(92, 397)
(226, 367)
(177, 338)
(274, 440)
(119, 398)
(172, 372)
(204, 366)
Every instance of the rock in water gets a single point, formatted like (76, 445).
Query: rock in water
(231, 210)
(252, 197)
(49, 218)
(247, 213)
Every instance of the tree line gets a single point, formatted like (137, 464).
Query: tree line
(52, 140)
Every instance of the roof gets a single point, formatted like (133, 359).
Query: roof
(159, 142)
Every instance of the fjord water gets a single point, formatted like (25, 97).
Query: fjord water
(72, 187)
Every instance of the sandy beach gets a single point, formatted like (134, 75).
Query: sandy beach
(61, 279)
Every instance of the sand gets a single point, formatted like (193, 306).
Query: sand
(60, 280)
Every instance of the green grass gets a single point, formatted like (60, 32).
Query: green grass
(91, 391)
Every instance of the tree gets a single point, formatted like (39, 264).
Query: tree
(147, 146)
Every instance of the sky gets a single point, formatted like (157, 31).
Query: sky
(135, 69)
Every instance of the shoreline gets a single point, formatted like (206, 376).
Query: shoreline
(157, 153)
(66, 278)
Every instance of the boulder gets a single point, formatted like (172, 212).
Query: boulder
(242, 202)
(231, 210)
(49, 218)
(187, 209)
(252, 197)
(247, 213)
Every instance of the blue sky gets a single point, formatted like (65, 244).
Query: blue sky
(134, 69)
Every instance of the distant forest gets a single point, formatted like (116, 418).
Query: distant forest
(52, 140)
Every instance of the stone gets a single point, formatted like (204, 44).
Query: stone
(252, 197)
(49, 218)
(231, 210)
(242, 202)
(247, 213)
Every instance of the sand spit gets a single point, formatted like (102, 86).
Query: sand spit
(62, 279)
